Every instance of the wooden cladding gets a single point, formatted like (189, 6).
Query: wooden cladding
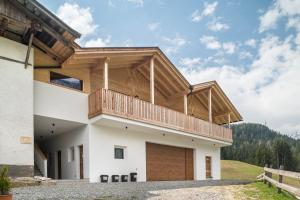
(169, 163)
(113, 103)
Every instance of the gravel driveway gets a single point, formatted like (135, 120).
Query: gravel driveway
(195, 190)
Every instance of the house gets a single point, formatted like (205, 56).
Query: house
(69, 112)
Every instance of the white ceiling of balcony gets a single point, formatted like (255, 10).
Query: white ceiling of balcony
(46, 127)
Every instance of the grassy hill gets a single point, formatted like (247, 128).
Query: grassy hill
(239, 170)
(231, 169)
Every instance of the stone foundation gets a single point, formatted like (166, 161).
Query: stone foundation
(19, 170)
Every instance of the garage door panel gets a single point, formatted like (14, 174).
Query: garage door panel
(168, 162)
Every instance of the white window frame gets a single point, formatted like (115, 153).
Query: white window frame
(124, 152)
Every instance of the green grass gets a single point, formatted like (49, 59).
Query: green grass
(261, 191)
(239, 170)
(243, 171)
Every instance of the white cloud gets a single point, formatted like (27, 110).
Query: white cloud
(269, 19)
(245, 55)
(294, 23)
(297, 40)
(172, 45)
(217, 26)
(229, 47)
(137, 2)
(265, 91)
(251, 43)
(98, 42)
(77, 17)
(153, 26)
(280, 8)
(210, 42)
(208, 10)
(190, 62)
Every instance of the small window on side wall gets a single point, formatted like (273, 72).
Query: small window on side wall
(119, 152)
(66, 81)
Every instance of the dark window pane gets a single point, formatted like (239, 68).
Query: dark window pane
(66, 81)
(119, 153)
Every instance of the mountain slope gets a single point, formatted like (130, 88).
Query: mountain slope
(257, 144)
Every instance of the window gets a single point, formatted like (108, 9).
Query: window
(66, 81)
(119, 152)
(71, 154)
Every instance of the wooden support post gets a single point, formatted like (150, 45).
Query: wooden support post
(265, 174)
(29, 49)
(35, 27)
(105, 74)
(270, 176)
(152, 80)
(280, 179)
(185, 104)
(209, 106)
(229, 120)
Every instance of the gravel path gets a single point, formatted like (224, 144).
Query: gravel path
(194, 190)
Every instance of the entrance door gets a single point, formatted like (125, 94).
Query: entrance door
(59, 165)
(208, 166)
(81, 161)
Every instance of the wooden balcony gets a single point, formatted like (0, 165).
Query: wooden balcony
(113, 103)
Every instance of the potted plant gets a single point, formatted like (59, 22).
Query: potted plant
(5, 184)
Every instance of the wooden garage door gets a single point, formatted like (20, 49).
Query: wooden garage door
(167, 163)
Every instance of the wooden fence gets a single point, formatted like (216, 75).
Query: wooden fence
(268, 177)
(113, 103)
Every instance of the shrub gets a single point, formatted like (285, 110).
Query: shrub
(5, 183)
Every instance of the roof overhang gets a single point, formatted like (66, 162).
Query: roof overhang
(169, 80)
(221, 105)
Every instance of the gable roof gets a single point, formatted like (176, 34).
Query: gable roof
(225, 105)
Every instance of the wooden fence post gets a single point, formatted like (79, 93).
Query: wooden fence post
(280, 179)
(270, 176)
(265, 174)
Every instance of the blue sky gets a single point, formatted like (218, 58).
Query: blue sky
(252, 48)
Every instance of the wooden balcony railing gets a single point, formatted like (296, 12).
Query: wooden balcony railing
(113, 103)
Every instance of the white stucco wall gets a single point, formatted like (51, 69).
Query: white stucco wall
(16, 104)
(103, 139)
(61, 103)
(62, 142)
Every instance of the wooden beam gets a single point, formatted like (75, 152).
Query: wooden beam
(45, 48)
(147, 78)
(166, 79)
(105, 74)
(201, 101)
(47, 67)
(177, 76)
(35, 27)
(47, 28)
(177, 95)
(185, 104)
(152, 80)
(160, 84)
(143, 63)
(209, 106)
(3, 26)
(229, 120)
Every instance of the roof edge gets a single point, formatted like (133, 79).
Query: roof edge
(55, 18)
